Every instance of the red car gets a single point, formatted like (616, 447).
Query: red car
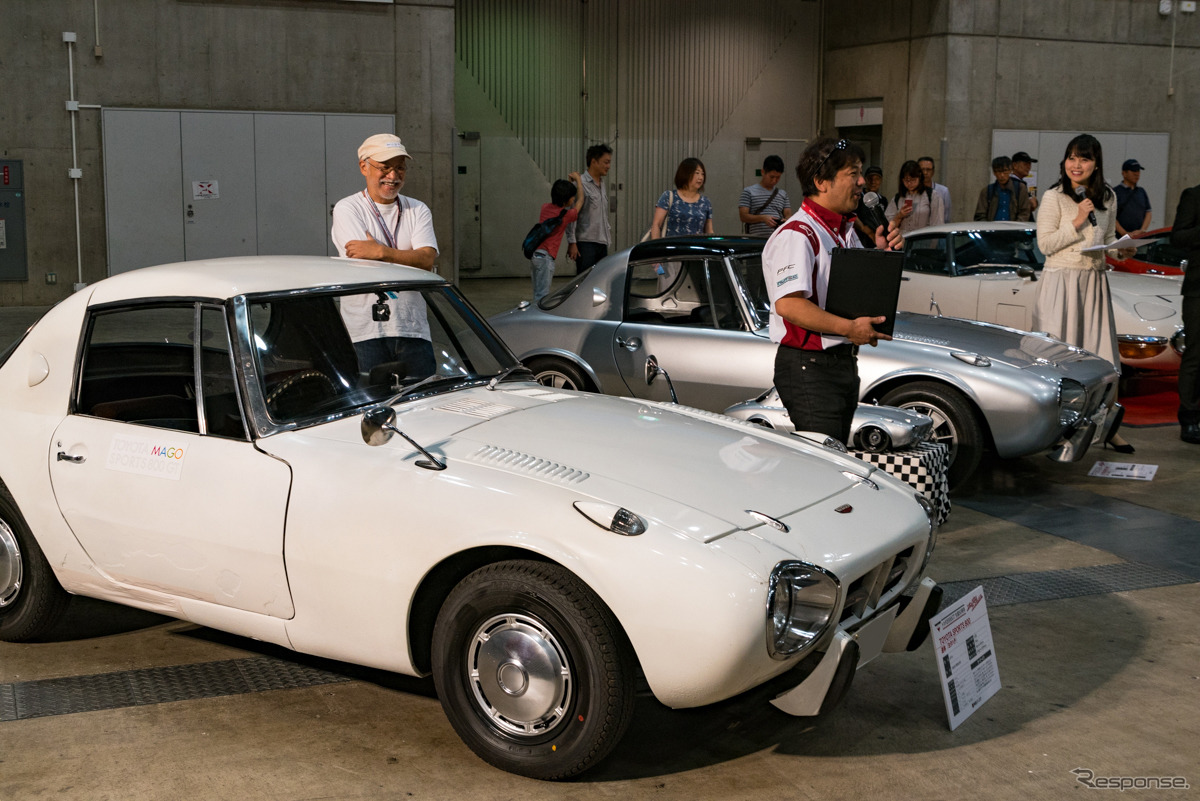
(1156, 257)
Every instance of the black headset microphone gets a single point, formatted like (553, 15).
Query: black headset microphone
(1080, 191)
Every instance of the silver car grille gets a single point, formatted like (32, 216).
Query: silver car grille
(877, 588)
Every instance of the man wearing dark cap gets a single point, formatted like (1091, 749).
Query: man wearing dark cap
(1022, 166)
(1133, 204)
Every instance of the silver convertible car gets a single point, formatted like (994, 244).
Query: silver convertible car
(211, 441)
(700, 306)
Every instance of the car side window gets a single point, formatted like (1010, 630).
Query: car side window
(693, 293)
(927, 255)
(140, 366)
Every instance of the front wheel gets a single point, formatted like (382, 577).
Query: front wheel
(559, 374)
(954, 423)
(532, 669)
(31, 599)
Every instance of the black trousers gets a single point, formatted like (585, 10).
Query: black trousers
(819, 388)
(1189, 368)
(589, 254)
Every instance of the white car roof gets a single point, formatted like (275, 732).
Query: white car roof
(972, 225)
(225, 278)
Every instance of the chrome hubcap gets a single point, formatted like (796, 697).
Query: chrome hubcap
(553, 378)
(10, 566)
(520, 675)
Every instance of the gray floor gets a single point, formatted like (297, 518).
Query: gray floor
(1093, 597)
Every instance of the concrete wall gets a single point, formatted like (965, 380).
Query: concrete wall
(262, 55)
(959, 69)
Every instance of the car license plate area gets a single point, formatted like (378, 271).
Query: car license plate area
(872, 634)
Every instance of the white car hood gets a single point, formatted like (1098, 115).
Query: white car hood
(720, 469)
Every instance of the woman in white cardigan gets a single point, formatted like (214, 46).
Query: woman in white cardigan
(915, 204)
(1073, 300)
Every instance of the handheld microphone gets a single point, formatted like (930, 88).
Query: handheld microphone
(872, 215)
(1079, 193)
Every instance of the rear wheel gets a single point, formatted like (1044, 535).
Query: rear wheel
(532, 669)
(31, 599)
(954, 423)
(559, 373)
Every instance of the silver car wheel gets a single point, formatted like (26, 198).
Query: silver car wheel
(520, 675)
(943, 430)
(11, 571)
(553, 378)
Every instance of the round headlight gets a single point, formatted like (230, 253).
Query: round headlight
(801, 600)
(1072, 400)
(873, 439)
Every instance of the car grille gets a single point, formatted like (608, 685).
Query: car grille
(877, 588)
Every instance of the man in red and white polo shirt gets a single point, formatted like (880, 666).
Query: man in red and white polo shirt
(816, 366)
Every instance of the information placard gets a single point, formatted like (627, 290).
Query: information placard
(966, 656)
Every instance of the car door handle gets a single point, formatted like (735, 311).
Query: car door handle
(631, 344)
(66, 457)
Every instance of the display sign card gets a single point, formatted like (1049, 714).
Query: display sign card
(1138, 472)
(205, 190)
(966, 656)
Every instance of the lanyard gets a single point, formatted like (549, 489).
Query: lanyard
(390, 236)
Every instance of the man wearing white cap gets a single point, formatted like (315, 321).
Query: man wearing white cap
(380, 224)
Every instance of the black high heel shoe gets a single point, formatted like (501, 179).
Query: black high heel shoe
(1123, 447)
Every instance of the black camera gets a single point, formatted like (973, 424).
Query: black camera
(380, 311)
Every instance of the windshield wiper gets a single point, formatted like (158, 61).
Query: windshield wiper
(411, 388)
(506, 372)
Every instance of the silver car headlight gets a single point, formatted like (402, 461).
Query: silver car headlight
(1072, 401)
(801, 600)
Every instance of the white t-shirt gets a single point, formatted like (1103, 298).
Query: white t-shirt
(409, 225)
(796, 258)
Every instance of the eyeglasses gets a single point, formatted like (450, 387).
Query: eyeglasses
(840, 144)
(385, 168)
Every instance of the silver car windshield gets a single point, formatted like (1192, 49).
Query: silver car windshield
(319, 356)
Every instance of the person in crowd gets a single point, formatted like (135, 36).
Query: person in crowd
(1186, 235)
(764, 205)
(380, 224)
(684, 209)
(874, 180)
(915, 205)
(942, 191)
(1073, 299)
(816, 365)
(589, 236)
(1005, 198)
(566, 198)
(1022, 167)
(1133, 204)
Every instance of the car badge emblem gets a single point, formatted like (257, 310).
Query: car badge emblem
(844, 509)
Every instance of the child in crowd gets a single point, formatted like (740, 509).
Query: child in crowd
(564, 195)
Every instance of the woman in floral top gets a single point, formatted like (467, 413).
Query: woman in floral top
(683, 210)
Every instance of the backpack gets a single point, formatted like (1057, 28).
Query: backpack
(540, 232)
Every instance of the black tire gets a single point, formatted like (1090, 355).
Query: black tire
(485, 639)
(31, 599)
(954, 423)
(559, 373)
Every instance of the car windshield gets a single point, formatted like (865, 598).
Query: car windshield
(748, 270)
(1162, 253)
(319, 356)
(978, 252)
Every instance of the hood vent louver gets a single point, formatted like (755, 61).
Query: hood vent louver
(525, 463)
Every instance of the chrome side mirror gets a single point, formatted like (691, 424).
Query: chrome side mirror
(653, 371)
(378, 425)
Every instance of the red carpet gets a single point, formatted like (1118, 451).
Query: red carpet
(1152, 400)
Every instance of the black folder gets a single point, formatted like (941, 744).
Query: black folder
(865, 283)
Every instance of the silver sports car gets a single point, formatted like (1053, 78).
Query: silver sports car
(699, 304)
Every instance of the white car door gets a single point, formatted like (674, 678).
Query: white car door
(928, 285)
(163, 492)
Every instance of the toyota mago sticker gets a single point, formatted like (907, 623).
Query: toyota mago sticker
(158, 457)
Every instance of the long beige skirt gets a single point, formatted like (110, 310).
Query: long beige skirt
(1075, 306)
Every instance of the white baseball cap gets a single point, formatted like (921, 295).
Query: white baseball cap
(382, 147)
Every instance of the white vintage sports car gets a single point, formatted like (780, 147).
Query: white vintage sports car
(202, 440)
(989, 271)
